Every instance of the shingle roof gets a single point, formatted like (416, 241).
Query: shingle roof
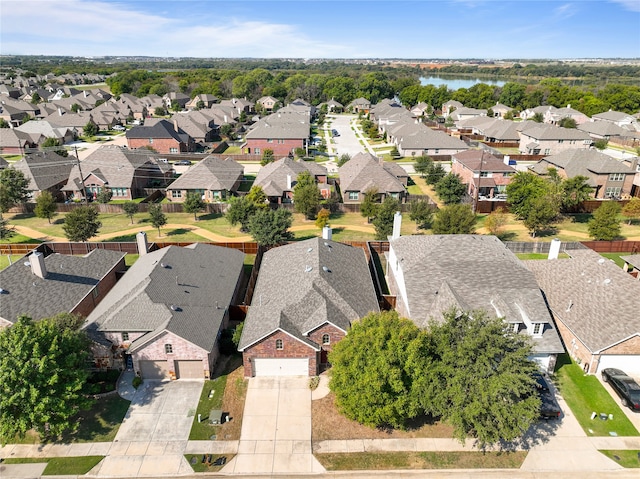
(471, 272)
(281, 125)
(364, 171)
(160, 129)
(613, 116)
(45, 169)
(476, 160)
(69, 279)
(603, 128)
(418, 136)
(551, 132)
(212, 173)
(592, 296)
(297, 294)
(589, 163)
(272, 178)
(198, 280)
(633, 260)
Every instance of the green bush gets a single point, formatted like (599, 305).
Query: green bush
(137, 381)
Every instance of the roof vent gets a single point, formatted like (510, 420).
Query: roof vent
(309, 250)
(3, 291)
(307, 269)
(26, 263)
(165, 265)
(601, 261)
(175, 308)
(607, 281)
(326, 270)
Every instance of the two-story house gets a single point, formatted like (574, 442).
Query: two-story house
(484, 174)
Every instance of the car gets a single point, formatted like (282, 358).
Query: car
(119, 128)
(335, 133)
(624, 386)
(549, 407)
(183, 162)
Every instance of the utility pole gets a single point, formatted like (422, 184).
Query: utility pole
(84, 190)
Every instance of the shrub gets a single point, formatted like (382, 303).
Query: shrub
(137, 381)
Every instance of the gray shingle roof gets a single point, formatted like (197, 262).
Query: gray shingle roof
(476, 160)
(69, 279)
(471, 272)
(589, 163)
(159, 129)
(364, 171)
(633, 260)
(212, 173)
(272, 178)
(592, 296)
(45, 169)
(603, 128)
(294, 293)
(411, 136)
(195, 279)
(551, 132)
(281, 125)
(613, 116)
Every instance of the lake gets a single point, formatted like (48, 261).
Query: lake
(456, 83)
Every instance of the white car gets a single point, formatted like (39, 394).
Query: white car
(119, 128)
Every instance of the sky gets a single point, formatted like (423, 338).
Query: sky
(420, 29)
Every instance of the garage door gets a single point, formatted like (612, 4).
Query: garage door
(629, 363)
(281, 367)
(189, 370)
(154, 369)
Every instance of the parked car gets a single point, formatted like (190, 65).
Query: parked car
(119, 128)
(624, 386)
(335, 133)
(549, 407)
(183, 162)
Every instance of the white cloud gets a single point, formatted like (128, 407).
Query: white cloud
(565, 11)
(633, 5)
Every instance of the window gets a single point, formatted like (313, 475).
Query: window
(256, 151)
(326, 339)
(151, 141)
(173, 150)
(547, 151)
(353, 195)
(168, 348)
(269, 140)
(125, 336)
(176, 193)
(280, 142)
(506, 174)
(537, 329)
(587, 142)
(612, 191)
(560, 141)
(437, 150)
(616, 177)
(484, 174)
(516, 327)
(279, 344)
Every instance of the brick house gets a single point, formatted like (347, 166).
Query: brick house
(213, 178)
(163, 136)
(585, 292)
(42, 287)
(167, 312)
(431, 274)
(280, 132)
(14, 142)
(307, 295)
(483, 173)
(359, 105)
(267, 102)
(365, 171)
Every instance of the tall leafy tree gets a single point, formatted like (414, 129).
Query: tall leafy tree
(523, 188)
(631, 210)
(495, 221)
(605, 225)
(567, 122)
(81, 223)
(450, 189)
(104, 196)
(240, 211)
(423, 164)
(271, 227)
(383, 222)
(544, 210)
(45, 205)
(475, 373)
(322, 219)
(157, 216)
(343, 159)
(42, 377)
(13, 188)
(257, 196)
(575, 191)
(421, 211)
(193, 204)
(369, 206)
(6, 231)
(130, 209)
(267, 157)
(454, 219)
(51, 143)
(90, 129)
(370, 375)
(306, 197)
(434, 173)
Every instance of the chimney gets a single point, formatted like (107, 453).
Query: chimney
(569, 105)
(60, 112)
(506, 159)
(397, 224)
(327, 234)
(289, 182)
(37, 265)
(141, 240)
(86, 93)
(554, 248)
(175, 125)
(226, 119)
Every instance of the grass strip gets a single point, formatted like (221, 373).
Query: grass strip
(626, 458)
(60, 466)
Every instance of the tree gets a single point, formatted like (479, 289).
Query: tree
(322, 219)
(454, 219)
(226, 130)
(35, 98)
(605, 225)
(567, 122)
(13, 189)
(45, 205)
(496, 221)
(631, 210)
(544, 210)
(343, 159)
(271, 227)
(175, 106)
(423, 164)
(522, 190)
(383, 222)
(104, 196)
(237, 334)
(257, 196)
(240, 211)
(157, 217)
(370, 375)
(421, 211)
(470, 370)
(267, 157)
(90, 129)
(75, 108)
(306, 197)
(130, 209)
(601, 144)
(4, 123)
(81, 224)
(394, 153)
(575, 191)
(42, 378)
(6, 231)
(435, 172)
(160, 111)
(450, 189)
(193, 204)
(537, 117)
(51, 143)
(369, 206)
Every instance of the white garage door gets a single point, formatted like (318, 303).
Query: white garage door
(189, 370)
(281, 367)
(629, 363)
(154, 369)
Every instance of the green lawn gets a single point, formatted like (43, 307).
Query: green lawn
(421, 460)
(60, 466)
(539, 255)
(4, 260)
(130, 258)
(20, 239)
(626, 458)
(616, 257)
(203, 430)
(585, 395)
(101, 422)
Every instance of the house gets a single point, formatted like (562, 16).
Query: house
(416, 139)
(432, 274)
(555, 116)
(268, 103)
(168, 311)
(282, 132)
(163, 136)
(42, 287)
(421, 110)
(72, 121)
(14, 141)
(12, 115)
(623, 120)
(46, 171)
(484, 174)
(364, 172)
(500, 110)
(205, 100)
(124, 172)
(277, 179)
(631, 263)
(334, 106)
(213, 179)
(595, 305)
(529, 113)
(198, 124)
(465, 113)
(240, 105)
(40, 130)
(608, 177)
(543, 139)
(603, 130)
(450, 106)
(307, 296)
(359, 105)
(175, 98)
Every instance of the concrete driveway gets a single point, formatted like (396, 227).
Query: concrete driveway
(154, 433)
(276, 428)
(633, 416)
